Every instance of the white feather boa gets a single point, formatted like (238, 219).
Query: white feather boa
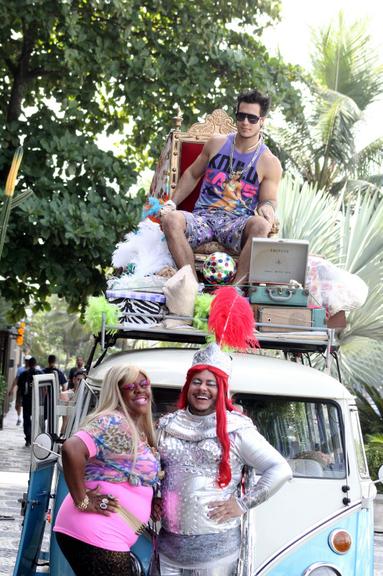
(146, 248)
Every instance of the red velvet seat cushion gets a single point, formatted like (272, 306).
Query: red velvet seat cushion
(189, 152)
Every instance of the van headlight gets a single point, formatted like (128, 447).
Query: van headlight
(321, 569)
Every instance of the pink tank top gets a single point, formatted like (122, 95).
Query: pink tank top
(109, 532)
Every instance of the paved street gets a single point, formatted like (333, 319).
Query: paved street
(14, 466)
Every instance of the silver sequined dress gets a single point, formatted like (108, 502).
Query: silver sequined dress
(191, 453)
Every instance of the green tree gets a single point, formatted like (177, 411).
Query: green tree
(73, 70)
(320, 144)
(57, 332)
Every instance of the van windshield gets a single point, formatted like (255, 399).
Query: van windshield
(306, 432)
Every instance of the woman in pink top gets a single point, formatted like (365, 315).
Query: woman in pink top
(111, 466)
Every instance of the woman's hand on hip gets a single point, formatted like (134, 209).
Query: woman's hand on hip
(101, 503)
(224, 510)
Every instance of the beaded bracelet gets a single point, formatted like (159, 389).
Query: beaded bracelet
(83, 505)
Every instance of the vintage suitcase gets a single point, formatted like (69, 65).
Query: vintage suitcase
(279, 295)
(277, 273)
(278, 261)
(285, 319)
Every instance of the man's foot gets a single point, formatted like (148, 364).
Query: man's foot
(27, 444)
(18, 422)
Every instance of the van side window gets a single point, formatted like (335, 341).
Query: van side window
(358, 443)
(307, 433)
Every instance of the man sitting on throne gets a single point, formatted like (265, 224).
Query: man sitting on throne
(238, 194)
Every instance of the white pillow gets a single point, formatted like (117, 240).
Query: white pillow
(180, 292)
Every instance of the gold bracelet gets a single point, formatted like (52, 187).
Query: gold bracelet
(83, 505)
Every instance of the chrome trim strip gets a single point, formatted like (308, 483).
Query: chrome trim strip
(313, 567)
(305, 535)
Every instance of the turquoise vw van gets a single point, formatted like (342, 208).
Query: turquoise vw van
(318, 524)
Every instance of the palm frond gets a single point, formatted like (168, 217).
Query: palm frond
(375, 440)
(308, 214)
(336, 116)
(361, 233)
(367, 321)
(369, 159)
(361, 361)
(372, 185)
(345, 60)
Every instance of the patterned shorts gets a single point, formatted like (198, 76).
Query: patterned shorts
(223, 227)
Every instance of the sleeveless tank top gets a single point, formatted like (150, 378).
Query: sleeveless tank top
(219, 192)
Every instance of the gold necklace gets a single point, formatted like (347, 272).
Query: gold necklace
(238, 174)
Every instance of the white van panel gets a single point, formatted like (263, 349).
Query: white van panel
(251, 373)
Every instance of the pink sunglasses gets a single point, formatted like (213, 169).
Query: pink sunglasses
(135, 385)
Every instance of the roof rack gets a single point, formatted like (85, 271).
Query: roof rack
(290, 339)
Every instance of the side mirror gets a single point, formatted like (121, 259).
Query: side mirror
(380, 474)
(42, 446)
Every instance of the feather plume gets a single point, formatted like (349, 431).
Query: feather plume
(94, 310)
(146, 248)
(201, 311)
(231, 319)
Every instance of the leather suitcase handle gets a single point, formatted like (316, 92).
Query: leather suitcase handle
(280, 298)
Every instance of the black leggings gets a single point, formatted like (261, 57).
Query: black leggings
(88, 560)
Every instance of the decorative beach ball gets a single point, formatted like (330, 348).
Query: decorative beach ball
(219, 268)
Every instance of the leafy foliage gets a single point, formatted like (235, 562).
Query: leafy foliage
(370, 406)
(320, 144)
(374, 453)
(57, 332)
(73, 71)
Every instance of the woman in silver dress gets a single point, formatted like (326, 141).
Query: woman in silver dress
(204, 447)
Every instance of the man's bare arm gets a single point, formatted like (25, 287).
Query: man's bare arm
(268, 190)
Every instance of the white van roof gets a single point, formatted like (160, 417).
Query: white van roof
(252, 373)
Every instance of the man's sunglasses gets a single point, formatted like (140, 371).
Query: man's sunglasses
(252, 118)
(135, 385)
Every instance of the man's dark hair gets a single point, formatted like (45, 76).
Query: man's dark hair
(255, 97)
(51, 359)
(32, 362)
(80, 372)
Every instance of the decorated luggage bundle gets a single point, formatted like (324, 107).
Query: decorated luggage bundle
(138, 308)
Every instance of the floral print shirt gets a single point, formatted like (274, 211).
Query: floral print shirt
(113, 461)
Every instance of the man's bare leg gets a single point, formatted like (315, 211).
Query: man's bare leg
(256, 227)
(174, 227)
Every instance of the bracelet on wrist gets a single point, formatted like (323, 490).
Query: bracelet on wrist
(242, 505)
(83, 505)
(265, 203)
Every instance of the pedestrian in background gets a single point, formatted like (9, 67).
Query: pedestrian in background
(18, 402)
(25, 384)
(52, 368)
(72, 371)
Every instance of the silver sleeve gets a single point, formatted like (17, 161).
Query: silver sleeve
(274, 471)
